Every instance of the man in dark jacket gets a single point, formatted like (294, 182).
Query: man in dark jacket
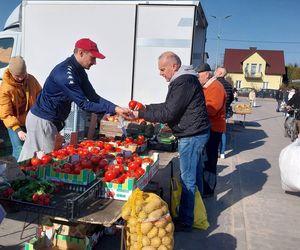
(185, 113)
(220, 73)
(294, 103)
(68, 82)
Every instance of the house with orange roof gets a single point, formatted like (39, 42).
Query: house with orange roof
(253, 68)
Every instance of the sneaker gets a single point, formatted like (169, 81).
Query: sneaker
(222, 156)
(182, 227)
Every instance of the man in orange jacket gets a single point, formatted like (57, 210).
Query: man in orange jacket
(18, 93)
(215, 99)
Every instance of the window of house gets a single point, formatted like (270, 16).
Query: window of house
(238, 84)
(265, 85)
(259, 68)
(253, 69)
(247, 68)
(6, 46)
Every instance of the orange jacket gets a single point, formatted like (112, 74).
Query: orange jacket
(215, 99)
(16, 99)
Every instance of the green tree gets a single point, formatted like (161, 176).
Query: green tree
(293, 72)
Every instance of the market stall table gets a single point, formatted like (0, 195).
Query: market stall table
(107, 211)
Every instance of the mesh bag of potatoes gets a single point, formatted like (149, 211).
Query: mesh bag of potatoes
(148, 222)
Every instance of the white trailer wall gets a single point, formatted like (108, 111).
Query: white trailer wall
(130, 35)
(160, 28)
(51, 29)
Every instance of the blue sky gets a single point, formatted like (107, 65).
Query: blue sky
(265, 24)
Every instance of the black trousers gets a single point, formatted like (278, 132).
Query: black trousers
(210, 166)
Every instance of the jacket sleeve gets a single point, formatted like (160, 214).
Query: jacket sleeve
(85, 97)
(6, 111)
(174, 106)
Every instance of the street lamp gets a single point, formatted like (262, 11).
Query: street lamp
(220, 19)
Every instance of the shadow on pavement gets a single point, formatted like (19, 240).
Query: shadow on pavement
(252, 138)
(14, 247)
(247, 179)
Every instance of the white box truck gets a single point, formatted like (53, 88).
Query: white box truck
(131, 34)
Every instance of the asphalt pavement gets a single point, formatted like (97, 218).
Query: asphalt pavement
(249, 210)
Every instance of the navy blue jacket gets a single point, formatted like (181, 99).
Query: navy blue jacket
(68, 82)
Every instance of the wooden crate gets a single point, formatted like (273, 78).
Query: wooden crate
(109, 128)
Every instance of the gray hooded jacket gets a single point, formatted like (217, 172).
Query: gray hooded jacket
(184, 109)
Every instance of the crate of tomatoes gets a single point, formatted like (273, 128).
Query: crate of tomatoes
(127, 174)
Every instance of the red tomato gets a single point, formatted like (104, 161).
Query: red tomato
(70, 150)
(86, 164)
(62, 151)
(95, 159)
(140, 171)
(103, 163)
(139, 106)
(77, 170)
(54, 154)
(46, 201)
(128, 139)
(108, 147)
(120, 159)
(35, 161)
(148, 160)
(46, 159)
(94, 151)
(35, 197)
(132, 104)
(109, 175)
(61, 156)
(133, 165)
(120, 167)
(141, 137)
(138, 160)
(99, 144)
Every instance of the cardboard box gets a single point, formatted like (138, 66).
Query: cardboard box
(123, 191)
(41, 171)
(110, 128)
(78, 231)
(72, 243)
(60, 242)
(85, 177)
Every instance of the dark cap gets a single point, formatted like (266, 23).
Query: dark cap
(202, 68)
(88, 45)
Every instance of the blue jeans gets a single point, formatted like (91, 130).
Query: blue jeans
(223, 143)
(15, 142)
(191, 167)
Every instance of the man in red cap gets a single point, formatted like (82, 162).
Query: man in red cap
(68, 82)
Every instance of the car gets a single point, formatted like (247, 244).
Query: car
(244, 91)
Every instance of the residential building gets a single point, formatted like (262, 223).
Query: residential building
(253, 68)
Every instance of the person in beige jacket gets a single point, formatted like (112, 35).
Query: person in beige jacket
(18, 92)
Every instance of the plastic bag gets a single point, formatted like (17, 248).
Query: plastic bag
(290, 167)
(200, 217)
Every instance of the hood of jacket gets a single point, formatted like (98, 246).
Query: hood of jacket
(8, 78)
(184, 70)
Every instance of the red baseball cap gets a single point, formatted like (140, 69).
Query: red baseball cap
(88, 45)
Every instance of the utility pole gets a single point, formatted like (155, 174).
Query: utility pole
(219, 19)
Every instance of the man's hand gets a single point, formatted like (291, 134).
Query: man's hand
(22, 135)
(135, 114)
(124, 112)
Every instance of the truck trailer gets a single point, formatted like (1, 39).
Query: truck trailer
(131, 34)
